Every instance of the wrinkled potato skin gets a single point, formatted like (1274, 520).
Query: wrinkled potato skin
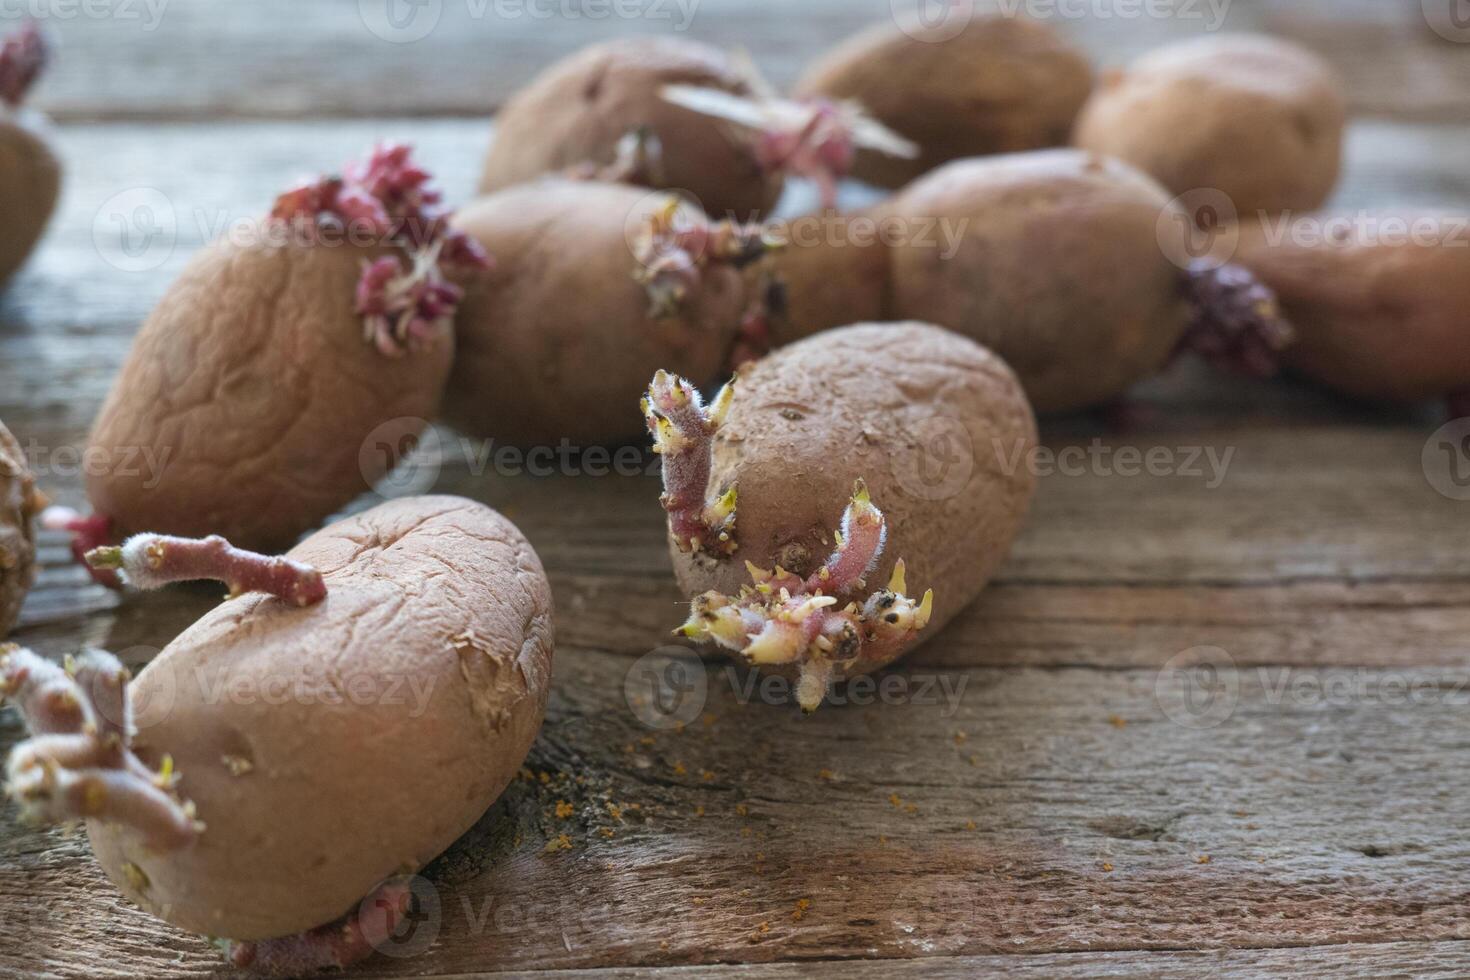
(861, 402)
(19, 502)
(252, 385)
(1258, 118)
(1002, 85)
(1059, 270)
(30, 179)
(578, 109)
(557, 342)
(1382, 321)
(440, 590)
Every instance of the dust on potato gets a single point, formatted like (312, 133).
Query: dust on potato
(578, 110)
(327, 748)
(1257, 119)
(1000, 85)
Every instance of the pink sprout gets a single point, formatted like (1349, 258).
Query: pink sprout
(23, 56)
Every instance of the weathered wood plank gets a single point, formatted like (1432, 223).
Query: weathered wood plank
(1439, 961)
(1026, 811)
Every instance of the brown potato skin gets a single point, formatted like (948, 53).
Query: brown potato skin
(556, 343)
(1377, 320)
(860, 402)
(252, 383)
(339, 797)
(578, 109)
(19, 502)
(1061, 270)
(1258, 118)
(1002, 85)
(832, 278)
(30, 179)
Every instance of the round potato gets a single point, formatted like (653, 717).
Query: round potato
(1001, 85)
(30, 179)
(579, 109)
(913, 441)
(246, 403)
(329, 747)
(1068, 266)
(19, 502)
(1378, 300)
(559, 341)
(1256, 118)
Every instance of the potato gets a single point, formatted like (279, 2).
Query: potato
(1068, 266)
(558, 341)
(935, 426)
(833, 274)
(30, 176)
(246, 404)
(327, 748)
(19, 503)
(1001, 85)
(579, 109)
(1256, 118)
(1379, 300)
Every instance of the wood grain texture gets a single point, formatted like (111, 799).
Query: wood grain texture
(1062, 809)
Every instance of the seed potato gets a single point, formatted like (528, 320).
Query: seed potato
(579, 109)
(1001, 85)
(329, 747)
(1256, 118)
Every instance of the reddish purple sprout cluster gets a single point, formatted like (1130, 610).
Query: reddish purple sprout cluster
(1237, 324)
(822, 150)
(675, 246)
(405, 303)
(22, 57)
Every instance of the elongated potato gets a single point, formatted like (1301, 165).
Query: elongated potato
(1257, 118)
(1060, 268)
(1380, 301)
(934, 426)
(245, 403)
(19, 502)
(578, 110)
(329, 747)
(559, 340)
(1001, 85)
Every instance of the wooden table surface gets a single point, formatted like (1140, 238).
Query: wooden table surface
(1050, 794)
